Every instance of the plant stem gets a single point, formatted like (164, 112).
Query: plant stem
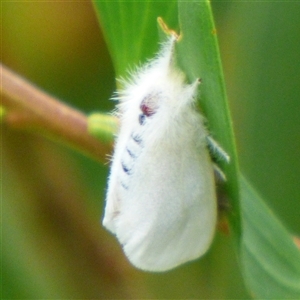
(30, 108)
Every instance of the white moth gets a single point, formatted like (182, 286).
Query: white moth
(161, 199)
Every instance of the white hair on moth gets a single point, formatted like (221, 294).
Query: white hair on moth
(161, 198)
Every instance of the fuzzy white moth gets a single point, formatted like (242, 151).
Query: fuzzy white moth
(161, 199)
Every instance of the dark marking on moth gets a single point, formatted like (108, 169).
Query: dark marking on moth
(126, 169)
(131, 154)
(116, 212)
(137, 139)
(125, 186)
(142, 119)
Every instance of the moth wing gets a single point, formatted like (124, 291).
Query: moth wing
(114, 192)
(168, 215)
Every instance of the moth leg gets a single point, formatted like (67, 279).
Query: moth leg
(216, 150)
(222, 198)
(220, 177)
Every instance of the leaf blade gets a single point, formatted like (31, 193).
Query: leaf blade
(270, 258)
(130, 29)
(198, 56)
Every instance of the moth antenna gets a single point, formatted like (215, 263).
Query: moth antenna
(166, 29)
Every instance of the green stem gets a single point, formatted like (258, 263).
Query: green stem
(30, 108)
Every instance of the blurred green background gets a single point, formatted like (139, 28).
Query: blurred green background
(53, 245)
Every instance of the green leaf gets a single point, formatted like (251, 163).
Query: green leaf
(131, 32)
(132, 36)
(270, 258)
(130, 29)
(198, 57)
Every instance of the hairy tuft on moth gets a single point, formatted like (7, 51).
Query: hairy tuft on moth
(161, 200)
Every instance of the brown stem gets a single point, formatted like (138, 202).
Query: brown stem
(29, 107)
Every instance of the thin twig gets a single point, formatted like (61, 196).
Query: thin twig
(30, 108)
